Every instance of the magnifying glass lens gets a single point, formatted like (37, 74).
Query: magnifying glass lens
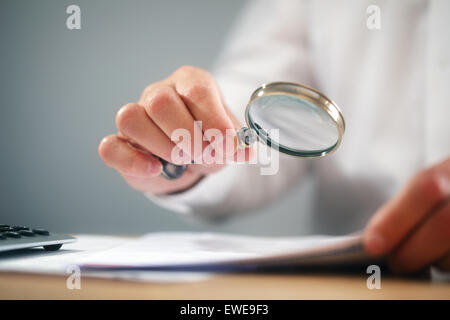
(306, 126)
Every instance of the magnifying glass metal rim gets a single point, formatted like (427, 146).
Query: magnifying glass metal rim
(315, 97)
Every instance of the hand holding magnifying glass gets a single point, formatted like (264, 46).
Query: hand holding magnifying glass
(309, 124)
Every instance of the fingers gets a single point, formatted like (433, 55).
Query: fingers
(134, 124)
(163, 124)
(140, 169)
(120, 155)
(165, 108)
(201, 95)
(395, 220)
(429, 243)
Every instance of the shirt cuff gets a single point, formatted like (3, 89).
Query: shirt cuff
(202, 200)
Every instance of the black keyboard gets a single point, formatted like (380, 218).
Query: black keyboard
(21, 237)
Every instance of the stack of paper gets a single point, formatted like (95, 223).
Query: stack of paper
(210, 251)
(132, 258)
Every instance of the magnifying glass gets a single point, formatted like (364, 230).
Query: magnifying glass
(309, 124)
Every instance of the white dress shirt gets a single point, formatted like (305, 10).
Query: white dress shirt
(392, 85)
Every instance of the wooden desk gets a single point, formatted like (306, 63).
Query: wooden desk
(229, 286)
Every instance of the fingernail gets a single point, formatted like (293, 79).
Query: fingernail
(153, 169)
(374, 243)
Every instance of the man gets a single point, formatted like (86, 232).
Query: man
(391, 83)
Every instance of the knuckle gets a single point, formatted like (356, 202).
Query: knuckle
(158, 100)
(431, 186)
(194, 74)
(148, 89)
(197, 91)
(191, 71)
(126, 115)
(186, 69)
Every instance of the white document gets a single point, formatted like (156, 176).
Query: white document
(55, 262)
(156, 256)
(61, 262)
(185, 251)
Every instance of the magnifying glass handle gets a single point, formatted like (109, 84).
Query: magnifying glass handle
(171, 171)
(246, 137)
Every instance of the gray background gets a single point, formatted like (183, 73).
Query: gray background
(60, 90)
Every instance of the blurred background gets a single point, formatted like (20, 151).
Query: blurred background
(60, 90)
